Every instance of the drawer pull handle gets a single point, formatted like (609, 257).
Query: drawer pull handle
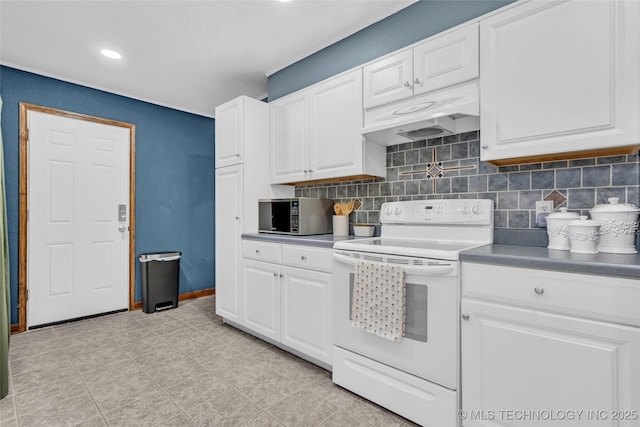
(275, 274)
(539, 290)
(304, 258)
(465, 316)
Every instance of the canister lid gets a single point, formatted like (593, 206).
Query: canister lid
(582, 221)
(614, 206)
(564, 214)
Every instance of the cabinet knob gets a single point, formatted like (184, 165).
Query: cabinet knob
(238, 155)
(310, 170)
(275, 274)
(417, 81)
(237, 217)
(407, 84)
(465, 316)
(484, 147)
(539, 290)
(282, 275)
(306, 171)
(257, 251)
(304, 258)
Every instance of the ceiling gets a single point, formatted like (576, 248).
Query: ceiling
(187, 55)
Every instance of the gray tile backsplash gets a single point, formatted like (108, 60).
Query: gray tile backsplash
(450, 167)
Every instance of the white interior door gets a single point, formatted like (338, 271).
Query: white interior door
(78, 218)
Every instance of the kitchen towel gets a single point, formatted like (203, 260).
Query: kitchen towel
(379, 299)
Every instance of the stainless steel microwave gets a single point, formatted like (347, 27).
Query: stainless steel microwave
(299, 215)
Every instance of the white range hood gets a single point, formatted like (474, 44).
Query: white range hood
(448, 111)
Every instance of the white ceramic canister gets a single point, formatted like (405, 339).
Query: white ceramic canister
(584, 235)
(557, 230)
(341, 225)
(619, 226)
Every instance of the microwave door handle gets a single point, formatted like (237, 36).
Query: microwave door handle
(433, 269)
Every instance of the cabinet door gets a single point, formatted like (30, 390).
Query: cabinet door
(446, 60)
(306, 312)
(261, 297)
(289, 135)
(229, 133)
(525, 360)
(228, 241)
(560, 77)
(389, 79)
(335, 121)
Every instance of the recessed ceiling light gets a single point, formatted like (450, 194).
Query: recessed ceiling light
(111, 54)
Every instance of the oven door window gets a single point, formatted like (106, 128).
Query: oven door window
(416, 310)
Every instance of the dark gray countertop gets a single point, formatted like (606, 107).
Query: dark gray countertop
(318, 240)
(548, 259)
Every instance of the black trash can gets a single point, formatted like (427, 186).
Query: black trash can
(160, 273)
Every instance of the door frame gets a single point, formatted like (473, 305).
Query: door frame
(25, 108)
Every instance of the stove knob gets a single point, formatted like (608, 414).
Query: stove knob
(465, 210)
(398, 211)
(476, 209)
(388, 210)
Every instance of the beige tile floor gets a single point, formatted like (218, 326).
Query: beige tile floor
(180, 367)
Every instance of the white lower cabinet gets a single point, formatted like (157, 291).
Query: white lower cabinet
(261, 290)
(525, 363)
(306, 312)
(286, 296)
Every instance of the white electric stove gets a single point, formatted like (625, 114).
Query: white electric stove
(417, 377)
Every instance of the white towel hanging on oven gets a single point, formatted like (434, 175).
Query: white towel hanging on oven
(379, 299)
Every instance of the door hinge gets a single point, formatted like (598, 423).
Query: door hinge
(27, 294)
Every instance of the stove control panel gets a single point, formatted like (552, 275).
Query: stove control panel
(469, 211)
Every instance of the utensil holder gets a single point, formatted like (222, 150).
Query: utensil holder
(341, 225)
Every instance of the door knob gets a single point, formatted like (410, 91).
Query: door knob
(465, 316)
(122, 228)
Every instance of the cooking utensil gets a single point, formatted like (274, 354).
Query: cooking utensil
(337, 208)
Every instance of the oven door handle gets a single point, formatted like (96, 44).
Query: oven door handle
(433, 268)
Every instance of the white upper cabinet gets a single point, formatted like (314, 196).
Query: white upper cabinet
(315, 134)
(289, 135)
(335, 121)
(229, 136)
(389, 79)
(560, 79)
(440, 61)
(446, 60)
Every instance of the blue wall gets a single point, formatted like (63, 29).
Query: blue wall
(412, 24)
(174, 171)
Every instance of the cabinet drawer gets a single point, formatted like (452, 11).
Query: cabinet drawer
(307, 257)
(263, 251)
(599, 297)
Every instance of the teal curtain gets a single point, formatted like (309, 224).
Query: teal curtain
(5, 318)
